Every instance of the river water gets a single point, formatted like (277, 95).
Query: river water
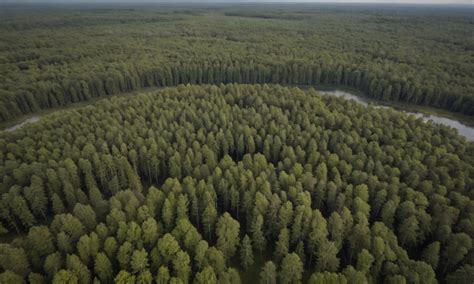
(463, 130)
(23, 123)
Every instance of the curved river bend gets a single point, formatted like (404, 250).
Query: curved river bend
(463, 130)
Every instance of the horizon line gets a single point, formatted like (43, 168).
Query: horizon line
(232, 2)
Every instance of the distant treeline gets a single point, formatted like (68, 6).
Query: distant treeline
(50, 94)
(54, 58)
(269, 15)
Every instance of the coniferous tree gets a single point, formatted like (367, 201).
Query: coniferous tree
(246, 253)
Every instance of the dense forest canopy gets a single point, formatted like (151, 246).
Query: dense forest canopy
(235, 183)
(56, 55)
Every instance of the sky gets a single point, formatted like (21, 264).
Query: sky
(468, 2)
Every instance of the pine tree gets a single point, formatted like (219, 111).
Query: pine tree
(205, 276)
(181, 264)
(103, 268)
(227, 232)
(268, 275)
(36, 197)
(246, 253)
(258, 238)
(282, 245)
(139, 261)
(40, 244)
(291, 269)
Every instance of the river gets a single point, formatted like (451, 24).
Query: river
(463, 129)
(23, 123)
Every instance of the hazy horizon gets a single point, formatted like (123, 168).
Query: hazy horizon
(454, 2)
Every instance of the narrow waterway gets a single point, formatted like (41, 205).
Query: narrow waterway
(23, 123)
(463, 130)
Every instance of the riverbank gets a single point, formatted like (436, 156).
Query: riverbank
(464, 124)
(33, 117)
(464, 119)
(463, 129)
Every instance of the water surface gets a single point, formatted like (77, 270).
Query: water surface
(463, 129)
(23, 123)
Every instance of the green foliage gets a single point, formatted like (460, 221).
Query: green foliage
(40, 244)
(268, 275)
(463, 275)
(14, 259)
(388, 199)
(65, 276)
(389, 53)
(206, 276)
(246, 253)
(227, 232)
(291, 269)
(282, 245)
(103, 268)
(327, 278)
(139, 261)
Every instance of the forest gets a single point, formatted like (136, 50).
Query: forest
(212, 158)
(235, 184)
(57, 55)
